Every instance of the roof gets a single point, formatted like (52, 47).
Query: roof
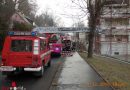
(22, 17)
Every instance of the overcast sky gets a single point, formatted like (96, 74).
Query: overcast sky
(63, 9)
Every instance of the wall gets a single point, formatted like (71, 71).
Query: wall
(82, 36)
(17, 18)
(120, 48)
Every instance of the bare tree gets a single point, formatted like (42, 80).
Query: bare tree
(95, 8)
(80, 25)
(46, 19)
(92, 8)
(27, 7)
(8, 8)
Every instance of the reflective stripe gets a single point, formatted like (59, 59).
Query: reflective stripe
(13, 88)
(32, 69)
(7, 68)
(36, 49)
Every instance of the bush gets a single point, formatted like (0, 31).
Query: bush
(22, 27)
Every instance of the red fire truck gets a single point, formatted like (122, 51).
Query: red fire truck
(25, 51)
(55, 43)
(67, 44)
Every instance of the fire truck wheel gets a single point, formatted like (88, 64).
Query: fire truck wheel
(40, 73)
(49, 64)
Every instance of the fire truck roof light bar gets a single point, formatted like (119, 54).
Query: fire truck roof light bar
(18, 33)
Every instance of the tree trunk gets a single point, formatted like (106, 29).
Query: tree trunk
(90, 47)
(92, 26)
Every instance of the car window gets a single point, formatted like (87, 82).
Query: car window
(21, 45)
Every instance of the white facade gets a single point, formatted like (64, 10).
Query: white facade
(82, 37)
(116, 48)
(115, 27)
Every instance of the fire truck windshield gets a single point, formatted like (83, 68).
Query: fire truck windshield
(54, 39)
(21, 45)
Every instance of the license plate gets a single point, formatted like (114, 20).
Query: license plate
(6, 68)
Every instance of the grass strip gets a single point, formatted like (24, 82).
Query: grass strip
(117, 73)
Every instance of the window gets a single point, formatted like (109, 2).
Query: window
(117, 22)
(116, 53)
(108, 2)
(42, 45)
(67, 42)
(118, 39)
(21, 45)
(54, 38)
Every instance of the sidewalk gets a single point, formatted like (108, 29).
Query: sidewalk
(76, 74)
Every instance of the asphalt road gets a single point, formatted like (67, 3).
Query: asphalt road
(29, 81)
(75, 74)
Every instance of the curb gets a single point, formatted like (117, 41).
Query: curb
(100, 75)
(54, 82)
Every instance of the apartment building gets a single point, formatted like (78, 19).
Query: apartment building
(114, 38)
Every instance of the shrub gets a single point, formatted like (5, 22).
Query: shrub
(22, 26)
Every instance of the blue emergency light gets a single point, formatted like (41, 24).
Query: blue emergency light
(33, 33)
(18, 33)
(11, 33)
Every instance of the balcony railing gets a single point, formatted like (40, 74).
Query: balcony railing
(115, 27)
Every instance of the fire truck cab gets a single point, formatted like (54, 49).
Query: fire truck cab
(55, 44)
(67, 45)
(25, 51)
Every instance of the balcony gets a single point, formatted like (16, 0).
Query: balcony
(115, 16)
(116, 3)
(104, 27)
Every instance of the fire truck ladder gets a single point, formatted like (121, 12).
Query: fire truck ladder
(60, 29)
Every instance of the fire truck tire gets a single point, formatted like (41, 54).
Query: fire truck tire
(49, 64)
(41, 72)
